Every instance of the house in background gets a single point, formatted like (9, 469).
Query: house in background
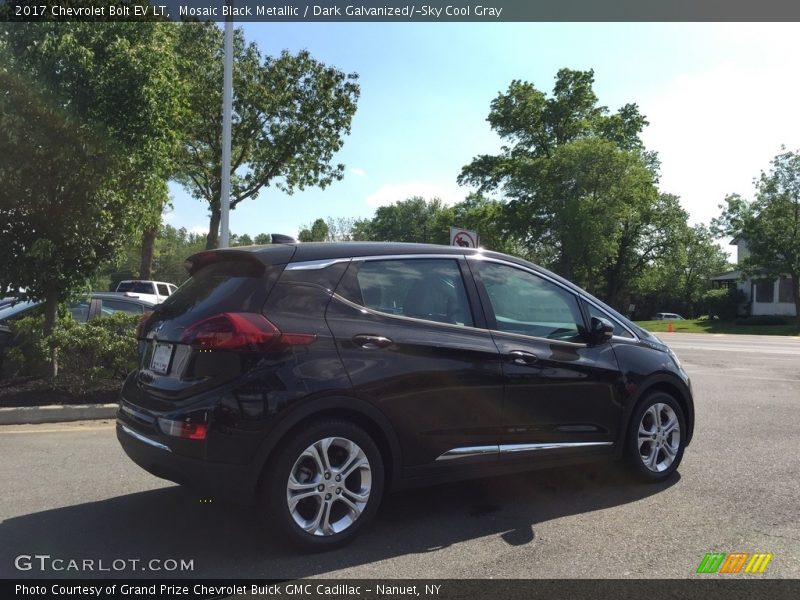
(764, 296)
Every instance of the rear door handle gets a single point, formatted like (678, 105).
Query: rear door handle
(521, 357)
(371, 342)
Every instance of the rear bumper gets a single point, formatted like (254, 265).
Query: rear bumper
(230, 483)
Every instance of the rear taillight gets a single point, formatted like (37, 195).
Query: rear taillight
(142, 323)
(248, 332)
(183, 429)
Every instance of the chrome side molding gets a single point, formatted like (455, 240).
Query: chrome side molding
(468, 451)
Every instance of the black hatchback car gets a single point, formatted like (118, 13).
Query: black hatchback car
(310, 378)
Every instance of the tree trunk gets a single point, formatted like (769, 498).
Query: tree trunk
(212, 239)
(796, 292)
(50, 315)
(148, 250)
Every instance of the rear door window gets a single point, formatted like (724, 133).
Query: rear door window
(430, 289)
(162, 289)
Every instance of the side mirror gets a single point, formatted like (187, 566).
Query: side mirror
(600, 330)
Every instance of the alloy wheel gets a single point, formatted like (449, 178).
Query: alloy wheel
(329, 486)
(659, 437)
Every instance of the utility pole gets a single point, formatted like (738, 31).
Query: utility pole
(227, 106)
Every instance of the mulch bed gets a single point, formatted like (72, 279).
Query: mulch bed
(34, 391)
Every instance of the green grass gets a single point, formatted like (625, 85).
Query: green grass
(704, 326)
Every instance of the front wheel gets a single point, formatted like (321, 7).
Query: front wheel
(656, 437)
(325, 485)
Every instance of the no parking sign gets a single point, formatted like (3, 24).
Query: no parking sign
(463, 238)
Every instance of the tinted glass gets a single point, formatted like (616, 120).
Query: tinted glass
(430, 289)
(223, 286)
(619, 330)
(112, 306)
(80, 310)
(163, 290)
(136, 287)
(527, 304)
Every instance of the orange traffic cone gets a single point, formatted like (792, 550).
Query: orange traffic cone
(670, 328)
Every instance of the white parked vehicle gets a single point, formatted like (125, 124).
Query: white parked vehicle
(154, 291)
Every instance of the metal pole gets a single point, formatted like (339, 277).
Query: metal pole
(227, 102)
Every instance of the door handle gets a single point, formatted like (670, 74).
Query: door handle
(371, 342)
(521, 357)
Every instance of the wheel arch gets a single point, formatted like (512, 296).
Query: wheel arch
(669, 385)
(351, 409)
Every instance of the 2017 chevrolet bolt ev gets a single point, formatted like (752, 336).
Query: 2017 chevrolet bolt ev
(310, 378)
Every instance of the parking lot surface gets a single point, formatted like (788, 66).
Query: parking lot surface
(69, 491)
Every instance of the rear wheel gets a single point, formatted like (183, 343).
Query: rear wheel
(656, 437)
(325, 485)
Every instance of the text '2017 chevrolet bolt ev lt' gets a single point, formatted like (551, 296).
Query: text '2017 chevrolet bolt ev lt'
(310, 378)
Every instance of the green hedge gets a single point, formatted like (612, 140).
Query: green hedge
(90, 355)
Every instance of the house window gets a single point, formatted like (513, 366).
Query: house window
(765, 291)
(785, 293)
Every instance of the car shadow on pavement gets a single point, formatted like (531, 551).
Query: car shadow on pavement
(228, 542)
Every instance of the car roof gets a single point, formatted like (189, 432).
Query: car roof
(273, 254)
(122, 296)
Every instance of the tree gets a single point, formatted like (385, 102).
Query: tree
(769, 224)
(412, 220)
(580, 186)
(290, 114)
(262, 239)
(85, 119)
(316, 232)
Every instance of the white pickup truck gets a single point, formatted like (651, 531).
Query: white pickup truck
(154, 291)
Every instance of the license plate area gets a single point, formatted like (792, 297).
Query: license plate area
(162, 356)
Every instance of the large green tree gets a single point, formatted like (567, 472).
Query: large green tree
(581, 189)
(290, 115)
(85, 121)
(769, 224)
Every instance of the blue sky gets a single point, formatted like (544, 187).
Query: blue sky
(720, 98)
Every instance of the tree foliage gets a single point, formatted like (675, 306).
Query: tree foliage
(770, 223)
(581, 189)
(290, 114)
(85, 126)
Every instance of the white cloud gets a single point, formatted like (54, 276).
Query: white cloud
(199, 229)
(394, 192)
(716, 130)
(358, 172)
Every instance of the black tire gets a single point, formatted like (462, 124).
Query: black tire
(291, 458)
(647, 465)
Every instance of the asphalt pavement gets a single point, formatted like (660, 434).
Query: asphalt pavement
(68, 491)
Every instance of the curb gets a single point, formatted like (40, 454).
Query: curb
(56, 413)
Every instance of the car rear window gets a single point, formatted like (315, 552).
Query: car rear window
(135, 287)
(222, 286)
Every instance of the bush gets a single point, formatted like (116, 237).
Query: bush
(724, 303)
(94, 353)
(90, 355)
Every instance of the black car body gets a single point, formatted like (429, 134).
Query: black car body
(449, 362)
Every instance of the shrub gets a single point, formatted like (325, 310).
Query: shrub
(90, 355)
(724, 303)
(95, 353)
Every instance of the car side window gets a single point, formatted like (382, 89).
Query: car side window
(80, 310)
(163, 290)
(619, 330)
(112, 306)
(430, 289)
(527, 304)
